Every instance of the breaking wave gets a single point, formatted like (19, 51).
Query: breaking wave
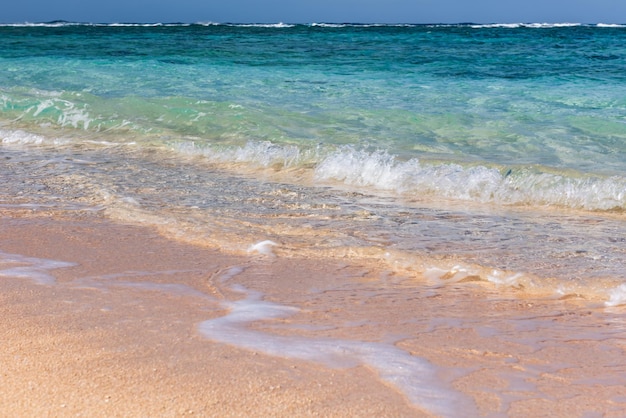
(381, 171)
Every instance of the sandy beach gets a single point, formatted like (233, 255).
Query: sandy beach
(116, 331)
(304, 219)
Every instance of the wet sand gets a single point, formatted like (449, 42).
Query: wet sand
(119, 333)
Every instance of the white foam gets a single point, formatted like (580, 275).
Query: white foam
(35, 269)
(525, 25)
(418, 379)
(552, 25)
(19, 137)
(69, 114)
(497, 25)
(263, 248)
(361, 168)
(383, 171)
(617, 296)
(501, 278)
(328, 25)
(140, 25)
(279, 25)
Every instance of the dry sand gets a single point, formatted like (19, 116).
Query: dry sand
(103, 339)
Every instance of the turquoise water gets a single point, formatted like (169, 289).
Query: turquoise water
(498, 146)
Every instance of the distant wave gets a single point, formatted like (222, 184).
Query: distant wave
(58, 24)
(545, 25)
(611, 25)
(43, 24)
(279, 25)
(527, 25)
(282, 25)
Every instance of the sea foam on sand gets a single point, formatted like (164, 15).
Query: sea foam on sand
(125, 317)
(263, 248)
(417, 378)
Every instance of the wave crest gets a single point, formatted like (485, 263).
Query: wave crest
(381, 171)
(482, 184)
(18, 137)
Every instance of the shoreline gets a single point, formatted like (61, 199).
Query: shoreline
(118, 333)
(80, 347)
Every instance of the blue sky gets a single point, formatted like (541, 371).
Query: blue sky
(307, 11)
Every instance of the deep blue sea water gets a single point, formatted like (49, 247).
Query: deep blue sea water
(491, 151)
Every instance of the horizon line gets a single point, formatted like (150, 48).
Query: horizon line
(209, 23)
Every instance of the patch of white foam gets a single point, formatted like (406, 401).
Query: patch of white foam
(35, 269)
(263, 248)
(617, 296)
(279, 25)
(418, 379)
(501, 278)
(19, 137)
(525, 25)
(383, 171)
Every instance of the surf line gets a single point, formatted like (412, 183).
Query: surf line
(417, 378)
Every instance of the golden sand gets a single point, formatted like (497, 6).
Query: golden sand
(116, 334)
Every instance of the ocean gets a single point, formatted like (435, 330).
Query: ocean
(490, 154)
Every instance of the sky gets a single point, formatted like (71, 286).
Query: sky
(310, 11)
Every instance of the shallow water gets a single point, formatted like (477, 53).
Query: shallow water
(485, 153)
